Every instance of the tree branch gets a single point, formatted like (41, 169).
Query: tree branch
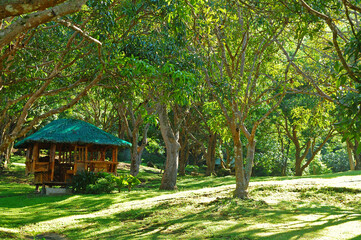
(33, 20)
(11, 8)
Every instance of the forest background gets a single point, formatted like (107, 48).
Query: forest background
(265, 87)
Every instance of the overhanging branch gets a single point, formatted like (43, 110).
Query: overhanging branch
(33, 20)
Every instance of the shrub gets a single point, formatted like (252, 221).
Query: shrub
(81, 180)
(102, 182)
(222, 172)
(192, 168)
(120, 182)
(102, 185)
(131, 181)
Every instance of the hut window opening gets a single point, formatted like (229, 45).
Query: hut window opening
(81, 153)
(66, 156)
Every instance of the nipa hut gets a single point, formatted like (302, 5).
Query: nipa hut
(64, 147)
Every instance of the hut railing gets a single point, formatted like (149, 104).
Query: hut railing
(95, 166)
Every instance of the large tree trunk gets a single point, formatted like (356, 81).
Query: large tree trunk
(241, 186)
(5, 151)
(241, 179)
(136, 160)
(299, 156)
(298, 163)
(358, 162)
(357, 156)
(299, 168)
(5, 156)
(350, 155)
(134, 164)
(1, 162)
(172, 145)
(211, 154)
(251, 149)
(137, 151)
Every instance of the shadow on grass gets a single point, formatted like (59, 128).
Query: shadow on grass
(8, 235)
(22, 210)
(292, 228)
(238, 219)
(325, 176)
(198, 182)
(15, 174)
(146, 223)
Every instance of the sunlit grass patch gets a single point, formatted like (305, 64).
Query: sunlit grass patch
(201, 208)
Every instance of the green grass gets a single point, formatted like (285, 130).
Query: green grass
(197, 210)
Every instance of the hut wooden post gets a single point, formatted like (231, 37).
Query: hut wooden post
(115, 159)
(75, 160)
(35, 155)
(28, 161)
(86, 153)
(113, 155)
(102, 156)
(28, 153)
(52, 160)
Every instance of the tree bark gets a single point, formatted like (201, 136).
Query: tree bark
(5, 161)
(314, 151)
(211, 154)
(241, 185)
(350, 155)
(134, 163)
(4, 152)
(172, 145)
(298, 170)
(251, 149)
(35, 19)
(357, 156)
(137, 151)
(12, 8)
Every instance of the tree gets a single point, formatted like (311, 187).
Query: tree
(161, 67)
(33, 70)
(207, 131)
(60, 60)
(308, 124)
(137, 119)
(341, 49)
(237, 48)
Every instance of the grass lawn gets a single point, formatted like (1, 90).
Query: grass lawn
(201, 208)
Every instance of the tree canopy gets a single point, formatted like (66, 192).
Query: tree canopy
(239, 81)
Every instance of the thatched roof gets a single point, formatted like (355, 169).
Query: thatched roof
(72, 131)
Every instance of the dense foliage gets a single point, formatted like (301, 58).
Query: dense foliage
(263, 86)
(102, 182)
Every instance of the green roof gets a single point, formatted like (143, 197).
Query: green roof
(72, 131)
